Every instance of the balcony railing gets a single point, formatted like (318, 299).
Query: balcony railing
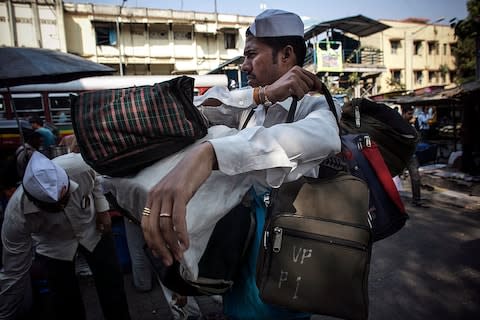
(365, 57)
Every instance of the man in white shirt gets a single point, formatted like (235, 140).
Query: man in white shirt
(423, 122)
(60, 209)
(269, 148)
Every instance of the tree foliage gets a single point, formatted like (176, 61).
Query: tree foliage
(467, 32)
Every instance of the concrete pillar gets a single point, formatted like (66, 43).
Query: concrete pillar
(61, 26)
(408, 61)
(36, 24)
(11, 23)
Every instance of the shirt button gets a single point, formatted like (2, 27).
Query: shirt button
(241, 102)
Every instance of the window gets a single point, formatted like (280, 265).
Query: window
(395, 45)
(182, 35)
(230, 40)
(417, 47)
(105, 34)
(396, 76)
(60, 108)
(418, 77)
(28, 105)
(453, 76)
(433, 47)
(453, 46)
(432, 76)
(160, 34)
(444, 49)
(138, 29)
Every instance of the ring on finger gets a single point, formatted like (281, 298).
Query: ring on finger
(165, 215)
(146, 211)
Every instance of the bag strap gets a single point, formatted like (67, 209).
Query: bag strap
(293, 108)
(328, 97)
(331, 165)
(247, 120)
(378, 165)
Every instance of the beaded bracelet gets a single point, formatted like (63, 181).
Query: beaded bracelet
(256, 96)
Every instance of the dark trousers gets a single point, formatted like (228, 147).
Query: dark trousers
(63, 284)
(416, 184)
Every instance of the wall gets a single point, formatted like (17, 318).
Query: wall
(406, 61)
(31, 24)
(155, 40)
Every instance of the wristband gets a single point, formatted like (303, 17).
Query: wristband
(256, 97)
(267, 103)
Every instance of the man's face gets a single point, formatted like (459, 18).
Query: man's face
(259, 64)
(408, 115)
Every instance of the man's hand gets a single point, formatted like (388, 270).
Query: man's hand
(296, 82)
(104, 222)
(165, 228)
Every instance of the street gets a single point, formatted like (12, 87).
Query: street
(428, 270)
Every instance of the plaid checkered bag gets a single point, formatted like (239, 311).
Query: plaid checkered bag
(121, 131)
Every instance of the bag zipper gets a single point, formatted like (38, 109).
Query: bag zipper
(279, 232)
(343, 223)
(357, 116)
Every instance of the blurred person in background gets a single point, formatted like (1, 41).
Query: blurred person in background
(413, 164)
(58, 210)
(49, 138)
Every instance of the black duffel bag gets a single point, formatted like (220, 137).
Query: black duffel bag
(396, 138)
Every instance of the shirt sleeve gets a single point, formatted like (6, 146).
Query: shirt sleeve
(17, 260)
(232, 108)
(284, 149)
(101, 203)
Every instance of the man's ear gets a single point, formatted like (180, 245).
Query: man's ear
(288, 55)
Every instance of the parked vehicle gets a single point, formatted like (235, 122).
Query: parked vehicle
(51, 102)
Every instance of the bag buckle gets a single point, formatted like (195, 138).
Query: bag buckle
(266, 199)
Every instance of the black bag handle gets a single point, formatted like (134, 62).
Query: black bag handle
(328, 97)
(293, 108)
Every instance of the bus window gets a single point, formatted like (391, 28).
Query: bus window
(28, 105)
(2, 108)
(60, 108)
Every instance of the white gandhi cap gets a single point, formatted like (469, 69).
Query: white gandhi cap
(277, 23)
(44, 179)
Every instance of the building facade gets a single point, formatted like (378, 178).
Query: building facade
(416, 54)
(408, 55)
(37, 24)
(143, 41)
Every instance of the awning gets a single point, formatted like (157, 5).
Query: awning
(436, 99)
(238, 60)
(358, 25)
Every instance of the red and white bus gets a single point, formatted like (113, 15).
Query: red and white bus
(51, 102)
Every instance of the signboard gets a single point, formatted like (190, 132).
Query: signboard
(329, 56)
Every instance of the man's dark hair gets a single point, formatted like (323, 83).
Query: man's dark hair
(36, 120)
(278, 43)
(406, 109)
(34, 139)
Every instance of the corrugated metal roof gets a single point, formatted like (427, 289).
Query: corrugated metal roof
(359, 25)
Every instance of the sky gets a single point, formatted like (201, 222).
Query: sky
(314, 11)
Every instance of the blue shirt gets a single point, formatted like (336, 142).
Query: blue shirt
(48, 137)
